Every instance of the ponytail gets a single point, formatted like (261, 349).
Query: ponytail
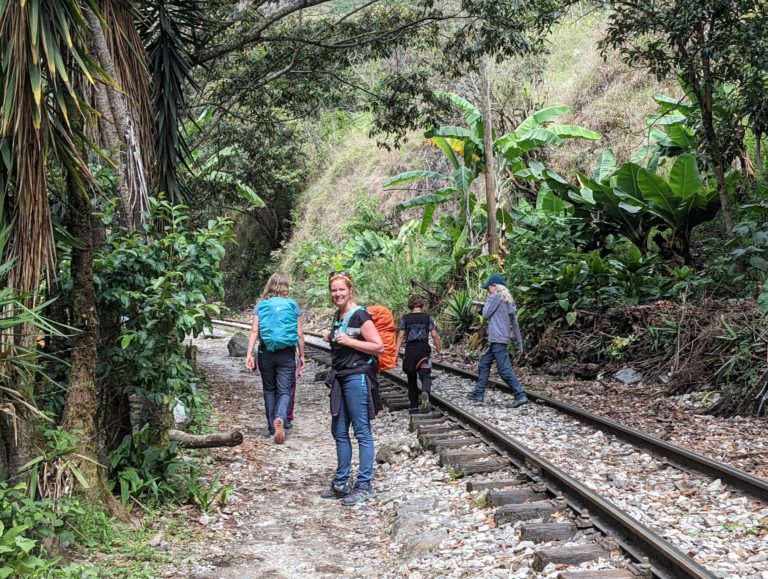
(506, 296)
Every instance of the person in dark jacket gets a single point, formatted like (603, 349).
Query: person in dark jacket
(354, 343)
(414, 329)
(500, 311)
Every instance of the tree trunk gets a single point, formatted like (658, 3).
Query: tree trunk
(217, 439)
(81, 408)
(710, 138)
(112, 103)
(490, 165)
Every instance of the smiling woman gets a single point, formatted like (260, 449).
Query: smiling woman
(354, 343)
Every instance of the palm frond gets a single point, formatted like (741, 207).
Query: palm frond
(43, 45)
(170, 31)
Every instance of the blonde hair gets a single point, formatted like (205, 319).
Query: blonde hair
(277, 286)
(506, 296)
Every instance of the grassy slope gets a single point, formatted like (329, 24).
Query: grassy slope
(355, 168)
(604, 96)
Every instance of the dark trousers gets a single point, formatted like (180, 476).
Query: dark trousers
(293, 401)
(278, 373)
(425, 377)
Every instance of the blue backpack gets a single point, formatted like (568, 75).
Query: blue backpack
(278, 323)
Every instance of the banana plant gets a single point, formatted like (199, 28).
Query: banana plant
(463, 148)
(635, 202)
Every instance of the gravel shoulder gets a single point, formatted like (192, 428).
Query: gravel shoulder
(274, 523)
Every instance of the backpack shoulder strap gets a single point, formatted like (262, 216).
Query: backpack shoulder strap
(348, 317)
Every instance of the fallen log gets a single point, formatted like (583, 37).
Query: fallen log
(186, 440)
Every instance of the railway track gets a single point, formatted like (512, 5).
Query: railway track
(591, 517)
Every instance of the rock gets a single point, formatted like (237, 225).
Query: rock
(407, 523)
(628, 376)
(238, 345)
(321, 375)
(180, 416)
(425, 542)
(396, 451)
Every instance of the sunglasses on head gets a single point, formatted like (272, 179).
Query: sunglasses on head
(339, 274)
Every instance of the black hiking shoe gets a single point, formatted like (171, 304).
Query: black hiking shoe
(424, 402)
(413, 410)
(358, 495)
(336, 492)
(521, 401)
(288, 424)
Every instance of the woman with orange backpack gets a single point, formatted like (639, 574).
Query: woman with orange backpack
(355, 342)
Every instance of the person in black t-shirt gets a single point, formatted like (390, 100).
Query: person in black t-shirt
(415, 329)
(354, 343)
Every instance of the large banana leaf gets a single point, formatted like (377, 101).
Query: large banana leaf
(455, 133)
(414, 176)
(443, 144)
(463, 177)
(627, 179)
(536, 137)
(605, 165)
(472, 115)
(656, 192)
(684, 178)
(424, 200)
(542, 117)
(574, 132)
(668, 103)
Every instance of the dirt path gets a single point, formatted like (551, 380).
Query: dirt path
(275, 524)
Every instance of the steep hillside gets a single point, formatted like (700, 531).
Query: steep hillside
(605, 96)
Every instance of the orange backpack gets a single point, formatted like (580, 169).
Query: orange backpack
(385, 324)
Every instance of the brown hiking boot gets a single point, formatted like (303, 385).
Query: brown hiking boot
(279, 431)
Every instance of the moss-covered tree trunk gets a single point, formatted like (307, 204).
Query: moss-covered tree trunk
(82, 409)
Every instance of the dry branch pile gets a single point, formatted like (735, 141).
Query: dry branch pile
(709, 346)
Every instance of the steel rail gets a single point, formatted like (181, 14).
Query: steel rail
(635, 539)
(682, 458)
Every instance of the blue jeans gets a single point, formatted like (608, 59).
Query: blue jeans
(278, 371)
(500, 354)
(354, 411)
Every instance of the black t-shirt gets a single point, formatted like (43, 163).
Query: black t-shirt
(343, 356)
(417, 326)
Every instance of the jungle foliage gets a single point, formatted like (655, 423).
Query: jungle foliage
(136, 135)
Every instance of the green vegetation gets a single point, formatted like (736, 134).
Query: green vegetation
(156, 154)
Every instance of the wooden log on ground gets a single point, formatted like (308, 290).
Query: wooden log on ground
(515, 497)
(436, 428)
(418, 420)
(569, 555)
(482, 485)
(545, 532)
(393, 404)
(186, 440)
(445, 443)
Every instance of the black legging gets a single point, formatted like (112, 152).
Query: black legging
(425, 376)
